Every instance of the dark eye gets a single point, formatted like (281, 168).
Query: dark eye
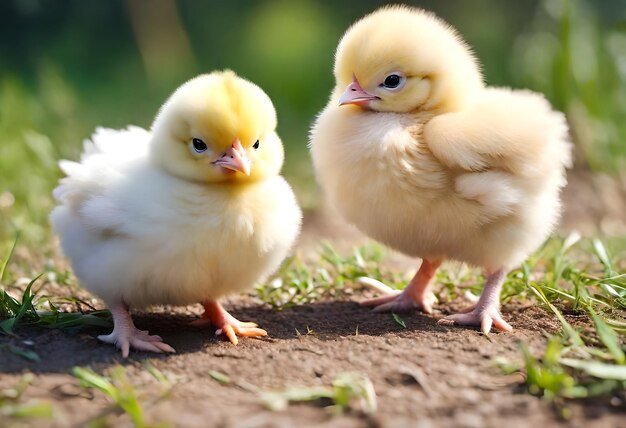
(392, 81)
(199, 146)
(256, 145)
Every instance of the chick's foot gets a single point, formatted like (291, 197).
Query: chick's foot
(216, 316)
(125, 335)
(416, 295)
(485, 313)
(483, 317)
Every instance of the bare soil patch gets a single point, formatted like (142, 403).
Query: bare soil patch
(459, 384)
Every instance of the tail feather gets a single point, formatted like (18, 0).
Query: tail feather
(105, 157)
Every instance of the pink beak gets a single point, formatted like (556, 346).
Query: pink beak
(235, 159)
(355, 94)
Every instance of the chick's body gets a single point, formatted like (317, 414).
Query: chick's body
(150, 238)
(398, 192)
(432, 168)
(141, 231)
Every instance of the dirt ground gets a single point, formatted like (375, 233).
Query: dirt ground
(457, 383)
(424, 375)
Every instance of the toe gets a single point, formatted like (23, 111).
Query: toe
(125, 347)
(144, 335)
(378, 301)
(462, 319)
(164, 347)
(399, 306)
(500, 324)
(229, 332)
(107, 338)
(250, 332)
(485, 323)
(201, 322)
(143, 345)
(248, 324)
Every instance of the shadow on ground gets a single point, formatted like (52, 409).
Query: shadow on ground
(60, 351)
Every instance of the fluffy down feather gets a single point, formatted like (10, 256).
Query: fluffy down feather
(439, 167)
(140, 235)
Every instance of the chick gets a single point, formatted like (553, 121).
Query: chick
(415, 151)
(187, 212)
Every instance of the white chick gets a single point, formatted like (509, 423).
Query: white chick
(188, 212)
(415, 151)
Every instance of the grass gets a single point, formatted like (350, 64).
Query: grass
(348, 391)
(580, 361)
(43, 311)
(571, 55)
(580, 282)
(13, 407)
(577, 276)
(331, 276)
(31, 310)
(125, 396)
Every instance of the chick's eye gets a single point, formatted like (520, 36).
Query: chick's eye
(198, 145)
(392, 81)
(256, 145)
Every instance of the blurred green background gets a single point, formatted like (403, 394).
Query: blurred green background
(69, 66)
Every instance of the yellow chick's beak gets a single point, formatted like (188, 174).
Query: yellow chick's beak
(235, 159)
(355, 94)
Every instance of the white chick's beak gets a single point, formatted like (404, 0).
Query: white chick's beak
(235, 159)
(355, 94)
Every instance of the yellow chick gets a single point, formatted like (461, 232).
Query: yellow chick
(415, 151)
(187, 212)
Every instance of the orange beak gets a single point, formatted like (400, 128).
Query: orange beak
(355, 94)
(235, 159)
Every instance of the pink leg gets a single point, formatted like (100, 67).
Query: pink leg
(125, 334)
(215, 315)
(416, 295)
(485, 312)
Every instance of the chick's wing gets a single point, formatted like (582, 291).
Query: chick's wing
(501, 149)
(512, 131)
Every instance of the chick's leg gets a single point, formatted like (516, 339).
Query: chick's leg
(215, 315)
(485, 313)
(125, 334)
(416, 295)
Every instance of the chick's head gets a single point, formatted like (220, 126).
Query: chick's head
(401, 59)
(217, 128)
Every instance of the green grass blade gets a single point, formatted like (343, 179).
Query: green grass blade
(219, 377)
(398, 320)
(90, 379)
(5, 264)
(608, 337)
(603, 256)
(567, 328)
(597, 369)
(27, 307)
(24, 353)
(40, 410)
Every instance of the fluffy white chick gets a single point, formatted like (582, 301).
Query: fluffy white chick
(187, 212)
(415, 151)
